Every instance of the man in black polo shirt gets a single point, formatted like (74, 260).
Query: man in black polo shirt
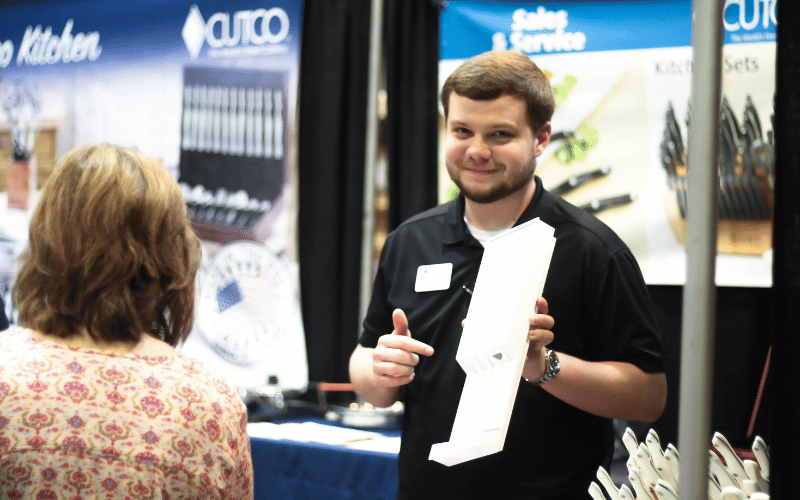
(595, 349)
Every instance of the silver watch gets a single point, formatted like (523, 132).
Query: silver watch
(553, 367)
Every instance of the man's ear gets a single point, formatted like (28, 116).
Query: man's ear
(543, 138)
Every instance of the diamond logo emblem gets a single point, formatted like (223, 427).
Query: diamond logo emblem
(194, 31)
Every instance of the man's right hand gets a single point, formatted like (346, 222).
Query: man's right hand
(396, 355)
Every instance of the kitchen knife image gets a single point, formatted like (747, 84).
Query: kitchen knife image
(751, 125)
(673, 134)
(579, 180)
(597, 206)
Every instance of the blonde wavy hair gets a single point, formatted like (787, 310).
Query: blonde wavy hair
(110, 250)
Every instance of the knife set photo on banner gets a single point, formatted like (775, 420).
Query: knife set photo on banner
(746, 195)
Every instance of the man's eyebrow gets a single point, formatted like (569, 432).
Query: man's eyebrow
(491, 126)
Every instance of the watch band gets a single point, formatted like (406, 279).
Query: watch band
(553, 367)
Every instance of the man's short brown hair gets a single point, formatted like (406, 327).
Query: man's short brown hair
(503, 72)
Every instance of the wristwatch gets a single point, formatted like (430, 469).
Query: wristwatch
(553, 367)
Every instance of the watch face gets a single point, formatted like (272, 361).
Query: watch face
(245, 302)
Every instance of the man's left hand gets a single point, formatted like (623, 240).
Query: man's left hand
(539, 335)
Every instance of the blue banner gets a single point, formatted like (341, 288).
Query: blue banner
(469, 27)
(88, 32)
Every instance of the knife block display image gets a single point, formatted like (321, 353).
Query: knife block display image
(494, 341)
(233, 143)
(746, 176)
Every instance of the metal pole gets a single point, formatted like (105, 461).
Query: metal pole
(699, 296)
(371, 154)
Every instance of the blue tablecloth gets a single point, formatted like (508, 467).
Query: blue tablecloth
(290, 470)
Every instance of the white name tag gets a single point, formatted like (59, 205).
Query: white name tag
(433, 277)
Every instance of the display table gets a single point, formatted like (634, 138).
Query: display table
(286, 469)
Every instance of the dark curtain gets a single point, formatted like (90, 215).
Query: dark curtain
(332, 129)
(411, 39)
(785, 375)
(332, 125)
(742, 324)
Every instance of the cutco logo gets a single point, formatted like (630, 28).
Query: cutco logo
(225, 30)
(758, 10)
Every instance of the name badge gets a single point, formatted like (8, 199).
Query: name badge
(433, 277)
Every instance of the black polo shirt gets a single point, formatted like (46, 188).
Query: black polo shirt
(602, 311)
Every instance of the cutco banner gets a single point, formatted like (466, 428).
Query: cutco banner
(209, 88)
(621, 72)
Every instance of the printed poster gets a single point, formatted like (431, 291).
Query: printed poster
(621, 72)
(209, 88)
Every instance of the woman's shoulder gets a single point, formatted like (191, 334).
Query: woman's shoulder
(196, 373)
(16, 341)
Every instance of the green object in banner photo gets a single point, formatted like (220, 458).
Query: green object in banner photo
(562, 90)
(576, 147)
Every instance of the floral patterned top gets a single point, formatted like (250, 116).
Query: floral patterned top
(80, 423)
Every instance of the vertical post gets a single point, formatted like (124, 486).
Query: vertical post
(371, 154)
(699, 296)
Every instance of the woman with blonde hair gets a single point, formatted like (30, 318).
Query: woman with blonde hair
(95, 402)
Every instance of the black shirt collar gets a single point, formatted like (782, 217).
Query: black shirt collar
(455, 229)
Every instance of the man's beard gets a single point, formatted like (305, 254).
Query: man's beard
(497, 191)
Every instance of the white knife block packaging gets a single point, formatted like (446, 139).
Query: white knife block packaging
(494, 341)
